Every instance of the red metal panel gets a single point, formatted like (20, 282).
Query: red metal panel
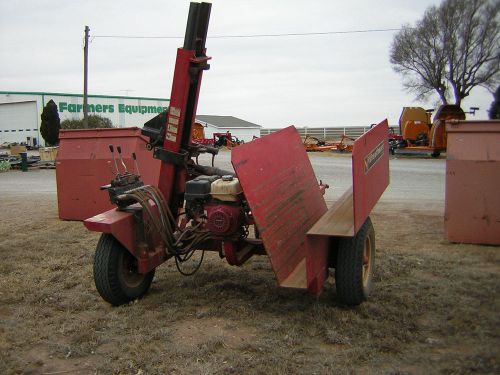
(175, 119)
(370, 171)
(280, 186)
(339, 219)
(122, 226)
(83, 165)
(117, 223)
(472, 199)
(370, 165)
(318, 248)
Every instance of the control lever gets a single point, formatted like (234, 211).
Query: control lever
(111, 148)
(119, 149)
(135, 162)
(122, 182)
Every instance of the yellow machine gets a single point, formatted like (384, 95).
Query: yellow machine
(198, 132)
(420, 134)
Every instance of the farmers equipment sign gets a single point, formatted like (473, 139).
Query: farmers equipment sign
(110, 108)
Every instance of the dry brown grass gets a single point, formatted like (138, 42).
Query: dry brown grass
(434, 308)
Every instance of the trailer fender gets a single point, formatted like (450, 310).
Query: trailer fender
(119, 224)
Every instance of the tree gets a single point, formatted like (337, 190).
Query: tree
(94, 121)
(494, 111)
(50, 124)
(452, 49)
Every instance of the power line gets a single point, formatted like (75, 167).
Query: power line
(251, 35)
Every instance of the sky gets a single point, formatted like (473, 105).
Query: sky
(313, 81)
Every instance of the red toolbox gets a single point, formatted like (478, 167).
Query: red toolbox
(84, 164)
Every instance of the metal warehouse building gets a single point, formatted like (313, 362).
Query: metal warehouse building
(20, 114)
(20, 111)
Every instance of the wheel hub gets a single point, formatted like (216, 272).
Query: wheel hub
(130, 276)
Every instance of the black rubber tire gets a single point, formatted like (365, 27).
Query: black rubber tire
(352, 280)
(436, 154)
(114, 275)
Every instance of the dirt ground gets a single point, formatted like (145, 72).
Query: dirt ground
(434, 309)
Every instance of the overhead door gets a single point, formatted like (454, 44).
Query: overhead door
(18, 121)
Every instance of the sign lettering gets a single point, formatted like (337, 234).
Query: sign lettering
(110, 108)
(374, 156)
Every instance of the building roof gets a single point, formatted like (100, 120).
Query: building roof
(79, 95)
(226, 121)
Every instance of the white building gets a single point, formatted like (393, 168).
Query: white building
(241, 129)
(20, 114)
(20, 111)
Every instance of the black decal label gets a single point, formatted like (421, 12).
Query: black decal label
(374, 156)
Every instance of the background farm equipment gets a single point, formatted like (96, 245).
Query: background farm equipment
(395, 141)
(313, 144)
(218, 139)
(199, 135)
(270, 205)
(226, 140)
(419, 135)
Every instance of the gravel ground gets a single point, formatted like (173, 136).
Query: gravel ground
(422, 179)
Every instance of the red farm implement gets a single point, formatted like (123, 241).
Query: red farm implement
(218, 140)
(270, 205)
(313, 144)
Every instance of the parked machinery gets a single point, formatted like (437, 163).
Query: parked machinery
(199, 135)
(218, 140)
(420, 135)
(313, 144)
(226, 140)
(271, 204)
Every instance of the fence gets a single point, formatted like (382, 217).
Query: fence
(330, 133)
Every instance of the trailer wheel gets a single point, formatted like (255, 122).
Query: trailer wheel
(115, 273)
(355, 265)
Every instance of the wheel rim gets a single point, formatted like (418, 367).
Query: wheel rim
(130, 276)
(367, 263)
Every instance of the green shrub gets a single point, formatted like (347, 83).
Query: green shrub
(51, 124)
(4, 166)
(94, 121)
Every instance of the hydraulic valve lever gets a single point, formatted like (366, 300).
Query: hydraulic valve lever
(112, 150)
(136, 164)
(119, 149)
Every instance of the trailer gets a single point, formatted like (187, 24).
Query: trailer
(271, 204)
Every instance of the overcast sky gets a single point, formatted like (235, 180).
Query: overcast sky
(321, 80)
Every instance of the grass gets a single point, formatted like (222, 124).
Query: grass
(434, 308)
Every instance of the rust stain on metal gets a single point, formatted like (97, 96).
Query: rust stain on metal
(280, 186)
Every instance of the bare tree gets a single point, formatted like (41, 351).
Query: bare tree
(452, 49)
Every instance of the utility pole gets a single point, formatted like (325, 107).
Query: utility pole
(85, 76)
